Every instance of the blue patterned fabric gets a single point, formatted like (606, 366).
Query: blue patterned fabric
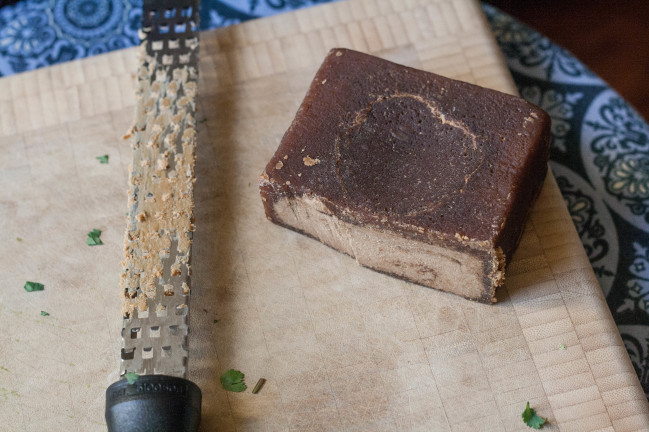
(599, 143)
(37, 33)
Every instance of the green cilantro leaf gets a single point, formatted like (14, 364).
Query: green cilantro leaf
(131, 377)
(93, 238)
(562, 347)
(102, 159)
(215, 321)
(532, 419)
(232, 380)
(45, 313)
(33, 286)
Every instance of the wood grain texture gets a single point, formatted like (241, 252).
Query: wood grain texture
(342, 347)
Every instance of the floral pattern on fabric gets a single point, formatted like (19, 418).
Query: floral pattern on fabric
(593, 222)
(614, 154)
(559, 106)
(37, 33)
(531, 53)
(29, 34)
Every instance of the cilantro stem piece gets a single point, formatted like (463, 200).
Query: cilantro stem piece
(131, 377)
(45, 313)
(532, 419)
(33, 286)
(102, 159)
(93, 238)
(232, 380)
(259, 385)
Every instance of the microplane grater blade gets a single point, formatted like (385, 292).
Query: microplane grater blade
(157, 246)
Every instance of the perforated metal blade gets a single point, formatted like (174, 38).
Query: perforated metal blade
(156, 280)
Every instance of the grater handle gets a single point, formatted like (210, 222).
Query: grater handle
(153, 403)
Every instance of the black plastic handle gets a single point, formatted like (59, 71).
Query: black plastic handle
(153, 403)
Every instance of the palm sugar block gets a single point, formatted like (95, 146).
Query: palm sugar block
(413, 174)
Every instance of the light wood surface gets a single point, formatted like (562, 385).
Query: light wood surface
(341, 347)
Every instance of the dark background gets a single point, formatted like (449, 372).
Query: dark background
(610, 37)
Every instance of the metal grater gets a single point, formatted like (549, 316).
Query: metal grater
(157, 244)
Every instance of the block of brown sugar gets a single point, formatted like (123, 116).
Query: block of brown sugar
(413, 174)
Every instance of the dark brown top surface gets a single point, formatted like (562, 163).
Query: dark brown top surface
(394, 143)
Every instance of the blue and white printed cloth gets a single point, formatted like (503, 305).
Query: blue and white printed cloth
(599, 151)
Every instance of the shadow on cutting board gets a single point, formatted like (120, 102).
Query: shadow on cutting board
(234, 123)
(214, 252)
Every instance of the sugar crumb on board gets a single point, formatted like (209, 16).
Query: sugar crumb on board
(308, 161)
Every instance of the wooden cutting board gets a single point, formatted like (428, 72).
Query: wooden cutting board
(342, 347)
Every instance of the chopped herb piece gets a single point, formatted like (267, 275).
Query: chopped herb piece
(131, 377)
(45, 313)
(532, 419)
(232, 380)
(93, 238)
(102, 159)
(259, 385)
(562, 347)
(215, 321)
(19, 239)
(34, 286)
(203, 120)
